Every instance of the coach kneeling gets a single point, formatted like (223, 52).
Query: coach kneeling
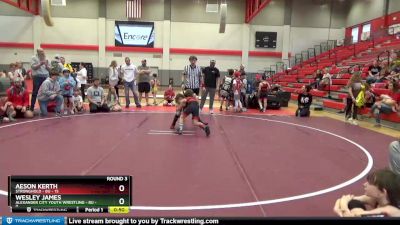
(50, 91)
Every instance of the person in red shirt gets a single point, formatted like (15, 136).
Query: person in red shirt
(19, 97)
(169, 96)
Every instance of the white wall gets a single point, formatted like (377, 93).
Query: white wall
(394, 6)
(16, 29)
(205, 35)
(364, 10)
(302, 38)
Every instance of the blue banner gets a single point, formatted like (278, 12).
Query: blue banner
(32, 220)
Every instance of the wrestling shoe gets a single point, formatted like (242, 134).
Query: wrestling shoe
(179, 131)
(207, 130)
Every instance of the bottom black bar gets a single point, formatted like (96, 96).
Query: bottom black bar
(228, 221)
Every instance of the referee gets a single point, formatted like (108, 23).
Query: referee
(191, 76)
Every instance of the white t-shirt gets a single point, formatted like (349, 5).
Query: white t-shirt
(129, 72)
(82, 76)
(77, 99)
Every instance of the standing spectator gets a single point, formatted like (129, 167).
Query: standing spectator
(304, 101)
(373, 72)
(67, 86)
(97, 100)
(11, 71)
(144, 81)
(226, 90)
(241, 69)
(20, 69)
(19, 97)
(82, 79)
(113, 76)
(388, 103)
(154, 88)
(66, 65)
(40, 72)
(354, 88)
(237, 87)
(50, 91)
(210, 80)
(191, 76)
(263, 89)
(243, 97)
(129, 72)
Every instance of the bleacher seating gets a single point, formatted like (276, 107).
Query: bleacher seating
(346, 59)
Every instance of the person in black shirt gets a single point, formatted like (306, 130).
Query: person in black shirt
(304, 101)
(210, 80)
(373, 72)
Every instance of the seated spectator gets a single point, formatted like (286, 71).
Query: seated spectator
(67, 86)
(20, 69)
(326, 80)
(169, 96)
(2, 75)
(381, 197)
(317, 79)
(394, 156)
(7, 112)
(304, 101)
(373, 72)
(97, 100)
(19, 97)
(78, 102)
(11, 71)
(388, 103)
(49, 91)
(113, 100)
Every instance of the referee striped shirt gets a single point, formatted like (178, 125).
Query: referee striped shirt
(192, 76)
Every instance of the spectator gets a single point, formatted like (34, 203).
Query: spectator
(394, 156)
(129, 72)
(388, 103)
(113, 101)
(155, 83)
(7, 112)
(236, 88)
(66, 65)
(263, 89)
(50, 91)
(210, 80)
(191, 76)
(304, 101)
(318, 77)
(20, 69)
(169, 96)
(78, 102)
(373, 72)
(241, 69)
(326, 80)
(113, 76)
(354, 88)
(19, 97)
(382, 196)
(40, 72)
(226, 89)
(144, 81)
(97, 100)
(11, 71)
(243, 97)
(67, 86)
(2, 75)
(82, 79)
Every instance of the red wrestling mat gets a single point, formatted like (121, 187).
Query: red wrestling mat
(249, 166)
